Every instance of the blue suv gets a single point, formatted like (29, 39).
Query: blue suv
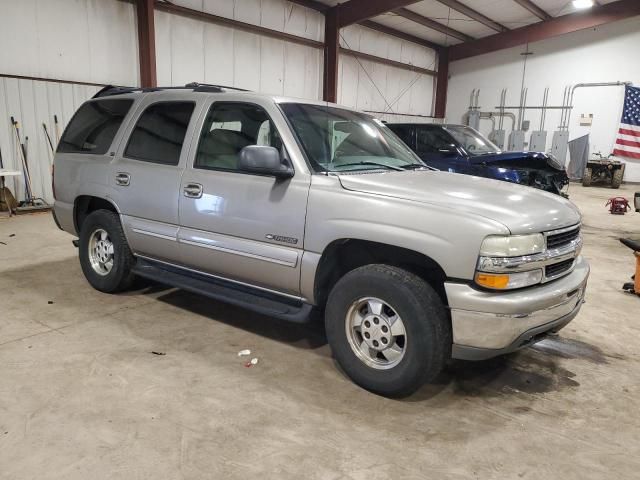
(461, 149)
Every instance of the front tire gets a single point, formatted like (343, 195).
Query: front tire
(616, 178)
(388, 329)
(586, 179)
(105, 257)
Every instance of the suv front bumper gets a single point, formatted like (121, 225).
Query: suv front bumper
(487, 324)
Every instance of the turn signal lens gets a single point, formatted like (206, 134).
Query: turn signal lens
(488, 280)
(508, 281)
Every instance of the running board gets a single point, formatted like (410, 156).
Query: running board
(252, 299)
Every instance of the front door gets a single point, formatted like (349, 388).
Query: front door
(241, 226)
(146, 173)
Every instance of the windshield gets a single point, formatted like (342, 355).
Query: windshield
(471, 140)
(337, 140)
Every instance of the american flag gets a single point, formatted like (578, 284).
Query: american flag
(628, 139)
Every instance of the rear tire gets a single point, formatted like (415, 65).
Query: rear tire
(395, 359)
(586, 179)
(105, 257)
(616, 178)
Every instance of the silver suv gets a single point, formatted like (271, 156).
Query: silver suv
(282, 205)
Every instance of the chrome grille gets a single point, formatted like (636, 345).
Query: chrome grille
(562, 237)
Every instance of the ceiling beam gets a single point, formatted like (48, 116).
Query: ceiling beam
(593, 17)
(533, 8)
(432, 24)
(355, 11)
(378, 27)
(387, 61)
(323, 8)
(474, 14)
(229, 22)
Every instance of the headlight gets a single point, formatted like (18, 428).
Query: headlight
(508, 281)
(512, 246)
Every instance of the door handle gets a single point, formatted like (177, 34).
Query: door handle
(193, 190)
(123, 179)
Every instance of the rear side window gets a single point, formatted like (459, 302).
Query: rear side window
(159, 133)
(93, 127)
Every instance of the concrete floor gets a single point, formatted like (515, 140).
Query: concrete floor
(83, 396)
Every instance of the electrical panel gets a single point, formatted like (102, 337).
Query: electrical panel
(538, 141)
(474, 119)
(560, 145)
(498, 138)
(516, 141)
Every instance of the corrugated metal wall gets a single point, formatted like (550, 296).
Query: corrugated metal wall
(367, 85)
(92, 41)
(33, 103)
(190, 50)
(95, 41)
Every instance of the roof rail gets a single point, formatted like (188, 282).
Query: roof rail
(200, 87)
(110, 90)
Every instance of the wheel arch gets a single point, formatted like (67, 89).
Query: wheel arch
(346, 254)
(86, 204)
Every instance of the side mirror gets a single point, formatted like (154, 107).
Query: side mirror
(448, 151)
(263, 160)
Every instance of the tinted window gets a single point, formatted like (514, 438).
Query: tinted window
(432, 140)
(159, 133)
(228, 128)
(404, 132)
(93, 127)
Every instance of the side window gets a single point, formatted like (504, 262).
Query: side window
(228, 128)
(431, 140)
(159, 133)
(94, 126)
(404, 132)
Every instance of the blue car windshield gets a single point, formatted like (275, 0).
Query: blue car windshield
(340, 140)
(471, 140)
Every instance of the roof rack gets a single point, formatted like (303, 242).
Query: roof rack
(110, 90)
(202, 87)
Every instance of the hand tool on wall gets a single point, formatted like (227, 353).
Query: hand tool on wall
(55, 121)
(50, 143)
(25, 166)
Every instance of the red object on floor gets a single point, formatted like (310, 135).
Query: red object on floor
(619, 205)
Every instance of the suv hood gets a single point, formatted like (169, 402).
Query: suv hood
(520, 209)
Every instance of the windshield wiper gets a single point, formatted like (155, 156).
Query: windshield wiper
(369, 163)
(413, 166)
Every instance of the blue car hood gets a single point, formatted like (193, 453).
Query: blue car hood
(535, 157)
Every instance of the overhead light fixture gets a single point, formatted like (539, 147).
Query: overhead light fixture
(580, 4)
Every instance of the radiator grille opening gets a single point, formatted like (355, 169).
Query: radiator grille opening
(561, 239)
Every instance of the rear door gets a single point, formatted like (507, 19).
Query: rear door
(146, 173)
(241, 226)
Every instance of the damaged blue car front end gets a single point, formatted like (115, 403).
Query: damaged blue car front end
(461, 149)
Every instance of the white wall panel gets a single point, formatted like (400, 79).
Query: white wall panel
(82, 40)
(367, 85)
(33, 103)
(594, 55)
(191, 50)
(277, 15)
